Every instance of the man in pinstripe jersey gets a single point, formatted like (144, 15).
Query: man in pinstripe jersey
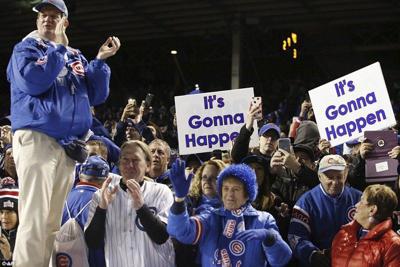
(131, 217)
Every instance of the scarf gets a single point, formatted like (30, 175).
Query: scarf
(231, 251)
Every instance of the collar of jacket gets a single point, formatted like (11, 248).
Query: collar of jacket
(374, 233)
(249, 211)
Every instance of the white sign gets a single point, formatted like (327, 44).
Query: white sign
(211, 121)
(348, 106)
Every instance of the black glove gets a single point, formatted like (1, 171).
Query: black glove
(76, 150)
(320, 259)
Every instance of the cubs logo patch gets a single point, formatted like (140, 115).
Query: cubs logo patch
(237, 248)
(237, 212)
(41, 61)
(229, 228)
(77, 68)
(226, 261)
(63, 260)
(350, 213)
(216, 260)
(139, 224)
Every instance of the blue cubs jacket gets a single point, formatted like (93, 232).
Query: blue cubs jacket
(206, 228)
(53, 87)
(317, 217)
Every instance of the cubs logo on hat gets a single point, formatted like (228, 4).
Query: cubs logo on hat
(332, 162)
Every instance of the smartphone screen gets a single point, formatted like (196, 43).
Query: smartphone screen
(284, 143)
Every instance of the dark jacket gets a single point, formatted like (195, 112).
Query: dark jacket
(11, 235)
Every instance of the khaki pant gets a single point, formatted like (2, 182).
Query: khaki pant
(45, 177)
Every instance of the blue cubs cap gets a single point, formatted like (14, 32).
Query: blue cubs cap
(269, 126)
(59, 4)
(95, 166)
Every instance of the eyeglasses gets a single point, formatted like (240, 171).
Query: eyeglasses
(208, 178)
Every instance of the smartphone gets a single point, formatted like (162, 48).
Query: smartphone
(148, 100)
(257, 100)
(132, 101)
(284, 143)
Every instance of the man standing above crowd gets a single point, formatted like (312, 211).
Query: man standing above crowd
(52, 89)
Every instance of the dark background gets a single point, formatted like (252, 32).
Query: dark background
(334, 38)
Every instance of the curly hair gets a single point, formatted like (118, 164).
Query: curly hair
(195, 188)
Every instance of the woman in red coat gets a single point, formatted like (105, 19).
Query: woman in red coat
(369, 239)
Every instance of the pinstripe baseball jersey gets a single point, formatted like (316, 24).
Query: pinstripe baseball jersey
(126, 242)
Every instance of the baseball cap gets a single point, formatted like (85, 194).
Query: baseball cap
(59, 4)
(95, 166)
(332, 162)
(269, 126)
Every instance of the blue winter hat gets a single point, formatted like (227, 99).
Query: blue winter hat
(59, 4)
(95, 166)
(243, 173)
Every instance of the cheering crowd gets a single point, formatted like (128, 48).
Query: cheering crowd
(82, 188)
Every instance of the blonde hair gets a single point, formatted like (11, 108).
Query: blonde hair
(141, 145)
(195, 187)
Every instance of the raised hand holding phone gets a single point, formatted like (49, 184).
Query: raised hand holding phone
(257, 102)
(254, 112)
